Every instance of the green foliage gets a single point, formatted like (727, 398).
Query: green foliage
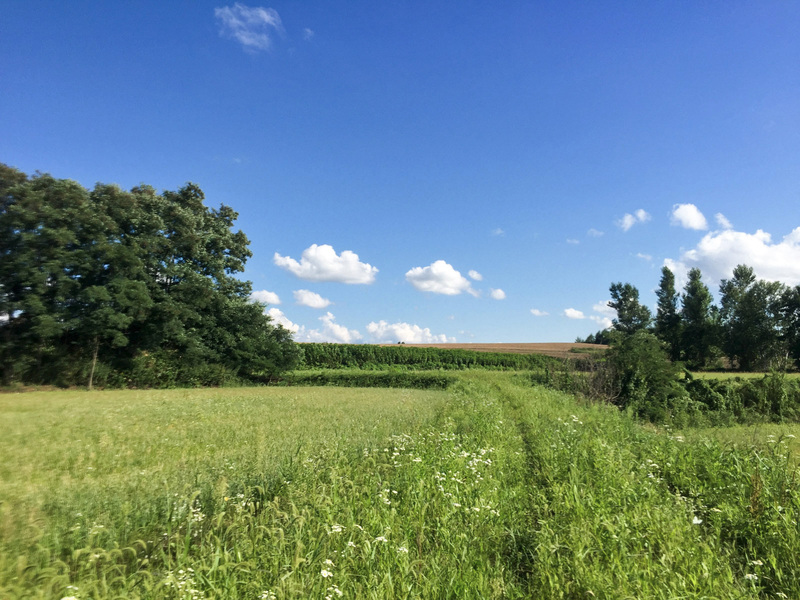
(423, 380)
(699, 331)
(370, 356)
(641, 377)
(91, 282)
(668, 319)
(750, 313)
(631, 316)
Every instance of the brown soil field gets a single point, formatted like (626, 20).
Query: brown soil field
(559, 350)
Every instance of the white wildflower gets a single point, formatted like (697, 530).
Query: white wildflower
(325, 573)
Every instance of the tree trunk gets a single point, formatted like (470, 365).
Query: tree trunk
(94, 361)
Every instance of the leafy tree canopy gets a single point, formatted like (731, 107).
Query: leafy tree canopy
(112, 275)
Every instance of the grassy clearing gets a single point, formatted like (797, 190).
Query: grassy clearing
(739, 374)
(492, 489)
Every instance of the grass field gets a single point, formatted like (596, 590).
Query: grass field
(492, 489)
(733, 374)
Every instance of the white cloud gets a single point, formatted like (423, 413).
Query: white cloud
(604, 309)
(499, 232)
(265, 297)
(321, 263)
(646, 257)
(572, 313)
(331, 332)
(309, 298)
(573, 241)
(538, 313)
(277, 316)
(628, 220)
(722, 221)
(594, 232)
(405, 332)
(688, 216)
(719, 252)
(439, 278)
(497, 294)
(250, 26)
(308, 33)
(475, 275)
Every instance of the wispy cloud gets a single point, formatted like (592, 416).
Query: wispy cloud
(308, 34)
(628, 220)
(252, 27)
(539, 313)
(723, 221)
(594, 232)
(498, 232)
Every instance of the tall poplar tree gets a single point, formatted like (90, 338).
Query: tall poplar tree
(668, 318)
(698, 335)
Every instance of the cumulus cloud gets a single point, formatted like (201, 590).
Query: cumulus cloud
(309, 298)
(497, 294)
(265, 297)
(719, 252)
(439, 278)
(722, 221)
(405, 332)
(331, 331)
(538, 313)
(252, 26)
(321, 263)
(475, 275)
(628, 220)
(646, 257)
(572, 313)
(688, 216)
(277, 316)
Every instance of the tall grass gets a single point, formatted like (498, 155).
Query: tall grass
(492, 489)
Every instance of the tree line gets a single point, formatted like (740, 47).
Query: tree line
(127, 288)
(756, 325)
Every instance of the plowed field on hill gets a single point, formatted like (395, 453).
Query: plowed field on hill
(559, 350)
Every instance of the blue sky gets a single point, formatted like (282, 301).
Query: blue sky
(433, 171)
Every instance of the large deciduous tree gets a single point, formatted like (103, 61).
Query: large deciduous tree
(115, 275)
(750, 314)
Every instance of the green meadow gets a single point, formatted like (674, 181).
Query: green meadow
(491, 488)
